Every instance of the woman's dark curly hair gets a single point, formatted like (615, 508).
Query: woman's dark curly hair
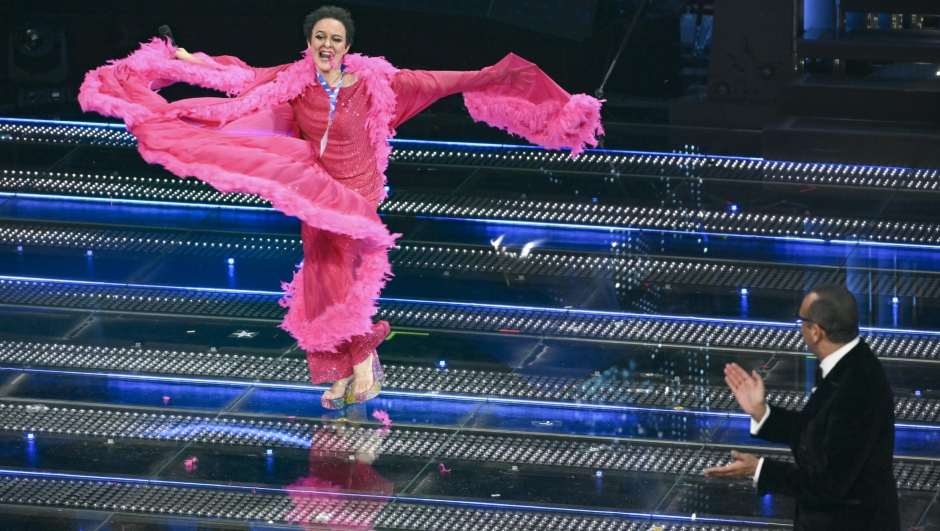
(334, 12)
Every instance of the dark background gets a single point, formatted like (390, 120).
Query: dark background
(573, 41)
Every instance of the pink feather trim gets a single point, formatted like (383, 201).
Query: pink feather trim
(341, 321)
(547, 124)
(377, 74)
(153, 63)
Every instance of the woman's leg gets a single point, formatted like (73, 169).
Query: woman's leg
(331, 366)
(330, 262)
(361, 351)
(351, 361)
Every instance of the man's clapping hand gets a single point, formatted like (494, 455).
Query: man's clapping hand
(744, 465)
(748, 390)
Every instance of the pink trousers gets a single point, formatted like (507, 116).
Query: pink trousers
(331, 262)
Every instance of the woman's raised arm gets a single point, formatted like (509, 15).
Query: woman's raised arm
(514, 95)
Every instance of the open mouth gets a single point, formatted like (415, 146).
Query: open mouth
(326, 55)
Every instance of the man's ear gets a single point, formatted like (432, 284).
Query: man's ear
(819, 333)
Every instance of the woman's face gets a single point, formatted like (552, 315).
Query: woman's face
(328, 44)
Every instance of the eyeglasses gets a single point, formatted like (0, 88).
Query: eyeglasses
(800, 320)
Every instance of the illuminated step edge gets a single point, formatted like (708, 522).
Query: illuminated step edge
(138, 240)
(102, 296)
(58, 132)
(607, 389)
(564, 323)
(529, 158)
(616, 164)
(562, 214)
(40, 421)
(479, 259)
(642, 272)
(117, 187)
(173, 191)
(306, 506)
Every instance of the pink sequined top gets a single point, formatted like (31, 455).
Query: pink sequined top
(349, 156)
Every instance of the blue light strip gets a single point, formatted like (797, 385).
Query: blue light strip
(588, 151)
(221, 382)
(533, 224)
(394, 141)
(142, 481)
(599, 313)
(593, 512)
(526, 507)
(216, 428)
(138, 202)
(919, 427)
(141, 286)
(536, 224)
(665, 317)
(31, 121)
(606, 228)
(408, 499)
(147, 377)
(573, 311)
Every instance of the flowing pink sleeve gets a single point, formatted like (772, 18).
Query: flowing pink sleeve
(259, 76)
(415, 90)
(514, 95)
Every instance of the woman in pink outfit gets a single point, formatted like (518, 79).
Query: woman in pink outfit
(312, 138)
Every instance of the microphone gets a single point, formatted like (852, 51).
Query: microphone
(165, 33)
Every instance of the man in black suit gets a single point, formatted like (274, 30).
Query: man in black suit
(842, 441)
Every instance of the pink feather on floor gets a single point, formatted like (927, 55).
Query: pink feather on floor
(382, 416)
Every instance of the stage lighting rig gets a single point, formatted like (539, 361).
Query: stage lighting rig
(37, 59)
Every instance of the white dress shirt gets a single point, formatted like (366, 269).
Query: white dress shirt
(825, 365)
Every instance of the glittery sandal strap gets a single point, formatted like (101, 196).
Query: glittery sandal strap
(378, 380)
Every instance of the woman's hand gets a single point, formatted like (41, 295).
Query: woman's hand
(183, 55)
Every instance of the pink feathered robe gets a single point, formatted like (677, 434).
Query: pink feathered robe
(265, 140)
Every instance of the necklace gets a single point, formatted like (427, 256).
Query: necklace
(333, 84)
(333, 94)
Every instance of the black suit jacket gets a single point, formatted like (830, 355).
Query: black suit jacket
(843, 445)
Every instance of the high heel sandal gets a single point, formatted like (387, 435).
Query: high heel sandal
(378, 381)
(335, 403)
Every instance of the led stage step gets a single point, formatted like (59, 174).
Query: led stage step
(604, 390)
(180, 500)
(533, 159)
(485, 259)
(525, 450)
(401, 313)
(162, 190)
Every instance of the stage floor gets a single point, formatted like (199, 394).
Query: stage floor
(559, 330)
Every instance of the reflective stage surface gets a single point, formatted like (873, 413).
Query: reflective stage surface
(559, 330)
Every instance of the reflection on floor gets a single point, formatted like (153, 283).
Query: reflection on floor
(559, 329)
